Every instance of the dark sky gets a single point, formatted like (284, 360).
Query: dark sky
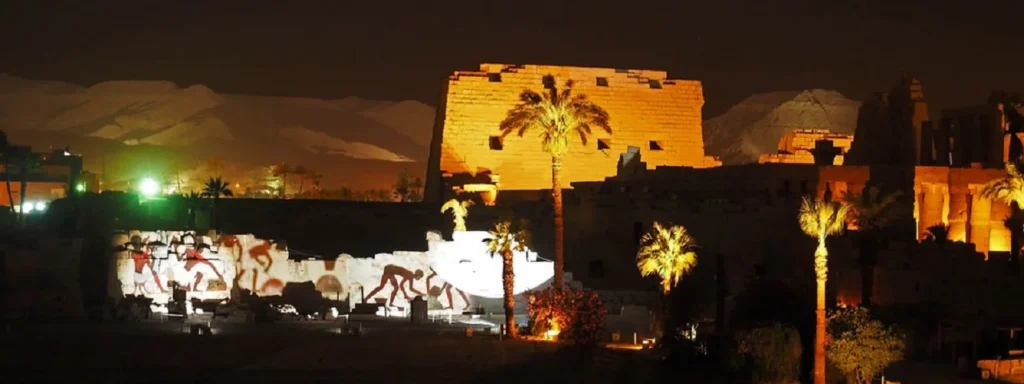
(386, 49)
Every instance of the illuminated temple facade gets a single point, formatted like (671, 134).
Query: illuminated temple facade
(648, 110)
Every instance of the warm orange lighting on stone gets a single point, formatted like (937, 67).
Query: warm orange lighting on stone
(648, 110)
(795, 147)
(488, 192)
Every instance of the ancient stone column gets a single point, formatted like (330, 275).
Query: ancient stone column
(980, 222)
(999, 237)
(958, 212)
(931, 207)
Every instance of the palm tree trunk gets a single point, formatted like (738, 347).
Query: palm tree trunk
(7, 177)
(556, 196)
(508, 281)
(24, 185)
(821, 275)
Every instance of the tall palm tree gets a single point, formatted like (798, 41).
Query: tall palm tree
(667, 251)
(506, 237)
(460, 210)
(1010, 190)
(7, 155)
(214, 189)
(871, 212)
(819, 219)
(558, 115)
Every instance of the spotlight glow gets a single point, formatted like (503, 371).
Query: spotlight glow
(149, 187)
(80, 188)
(40, 206)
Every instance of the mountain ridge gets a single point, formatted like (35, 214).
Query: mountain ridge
(354, 141)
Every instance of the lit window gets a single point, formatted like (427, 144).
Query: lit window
(495, 143)
(604, 144)
(655, 145)
(602, 81)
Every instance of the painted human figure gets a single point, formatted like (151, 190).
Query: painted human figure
(258, 258)
(391, 274)
(192, 256)
(435, 291)
(141, 257)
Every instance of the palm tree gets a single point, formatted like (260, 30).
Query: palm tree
(559, 116)
(871, 212)
(282, 171)
(7, 156)
(460, 210)
(1010, 190)
(506, 237)
(407, 188)
(667, 251)
(819, 219)
(214, 189)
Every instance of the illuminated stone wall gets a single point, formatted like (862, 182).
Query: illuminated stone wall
(457, 274)
(648, 110)
(795, 147)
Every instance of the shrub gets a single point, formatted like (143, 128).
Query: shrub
(769, 354)
(577, 314)
(862, 347)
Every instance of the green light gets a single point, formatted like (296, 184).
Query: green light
(149, 187)
(80, 188)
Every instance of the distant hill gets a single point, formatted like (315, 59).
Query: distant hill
(128, 129)
(755, 125)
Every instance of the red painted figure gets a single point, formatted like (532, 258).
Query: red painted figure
(391, 274)
(141, 259)
(194, 257)
(258, 257)
(435, 291)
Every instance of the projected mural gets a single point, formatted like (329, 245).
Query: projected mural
(451, 275)
(150, 262)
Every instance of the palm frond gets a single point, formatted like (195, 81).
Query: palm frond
(820, 219)
(508, 236)
(1010, 188)
(558, 115)
(667, 251)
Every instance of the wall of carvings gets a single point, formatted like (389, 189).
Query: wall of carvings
(457, 275)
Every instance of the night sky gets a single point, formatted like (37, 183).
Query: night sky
(960, 50)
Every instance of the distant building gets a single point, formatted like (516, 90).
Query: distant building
(51, 176)
(799, 146)
(983, 136)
